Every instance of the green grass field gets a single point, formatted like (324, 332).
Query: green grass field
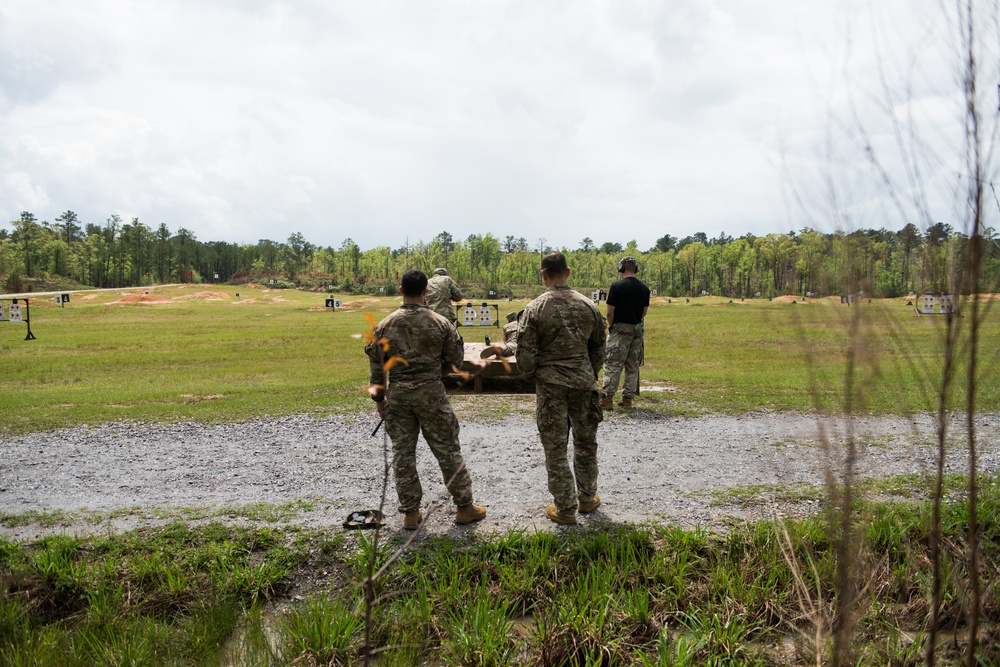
(203, 353)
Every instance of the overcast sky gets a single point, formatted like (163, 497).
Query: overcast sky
(381, 121)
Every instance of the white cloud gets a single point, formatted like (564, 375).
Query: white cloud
(22, 188)
(613, 120)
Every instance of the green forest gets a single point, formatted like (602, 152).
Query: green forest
(876, 263)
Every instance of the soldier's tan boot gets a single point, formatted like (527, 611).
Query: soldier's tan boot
(412, 519)
(608, 403)
(626, 403)
(469, 513)
(563, 518)
(590, 505)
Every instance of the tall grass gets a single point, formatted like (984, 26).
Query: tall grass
(169, 596)
(648, 595)
(950, 384)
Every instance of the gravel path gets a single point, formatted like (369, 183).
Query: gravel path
(652, 468)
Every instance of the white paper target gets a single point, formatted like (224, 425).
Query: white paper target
(469, 316)
(927, 304)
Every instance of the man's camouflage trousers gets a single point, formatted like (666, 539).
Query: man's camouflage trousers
(430, 413)
(624, 351)
(559, 409)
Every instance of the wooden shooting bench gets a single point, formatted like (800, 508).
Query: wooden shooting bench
(480, 368)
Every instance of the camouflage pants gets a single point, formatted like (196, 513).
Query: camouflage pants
(430, 414)
(557, 410)
(624, 351)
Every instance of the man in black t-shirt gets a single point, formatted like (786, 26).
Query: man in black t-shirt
(628, 301)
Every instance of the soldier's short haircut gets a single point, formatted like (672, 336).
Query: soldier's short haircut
(555, 265)
(414, 283)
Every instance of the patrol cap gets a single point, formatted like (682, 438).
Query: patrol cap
(440, 272)
(511, 316)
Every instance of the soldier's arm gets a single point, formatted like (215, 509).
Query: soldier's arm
(376, 375)
(610, 304)
(453, 353)
(527, 345)
(456, 293)
(596, 344)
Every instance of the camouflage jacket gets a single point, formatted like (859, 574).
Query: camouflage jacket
(561, 339)
(441, 291)
(428, 343)
(510, 332)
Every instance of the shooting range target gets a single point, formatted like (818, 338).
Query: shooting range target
(485, 316)
(469, 316)
(14, 313)
(927, 304)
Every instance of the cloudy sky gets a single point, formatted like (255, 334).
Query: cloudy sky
(387, 121)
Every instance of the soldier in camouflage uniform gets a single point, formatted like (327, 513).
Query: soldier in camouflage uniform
(509, 336)
(441, 291)
(628, 302)
(414, 399)
(560, 344)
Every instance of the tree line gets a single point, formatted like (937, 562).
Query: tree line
(878, 263)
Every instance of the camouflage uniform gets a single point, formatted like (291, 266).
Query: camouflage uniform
(624, 352)
(509, 335)
(560, 344)
(416, 400)
(630, 298)
(441, 291)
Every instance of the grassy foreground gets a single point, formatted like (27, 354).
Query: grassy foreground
(614, 595)
(200, 352)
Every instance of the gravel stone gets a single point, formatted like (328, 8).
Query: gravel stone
(652, 468)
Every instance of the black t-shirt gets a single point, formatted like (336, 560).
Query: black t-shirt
(629, 296)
